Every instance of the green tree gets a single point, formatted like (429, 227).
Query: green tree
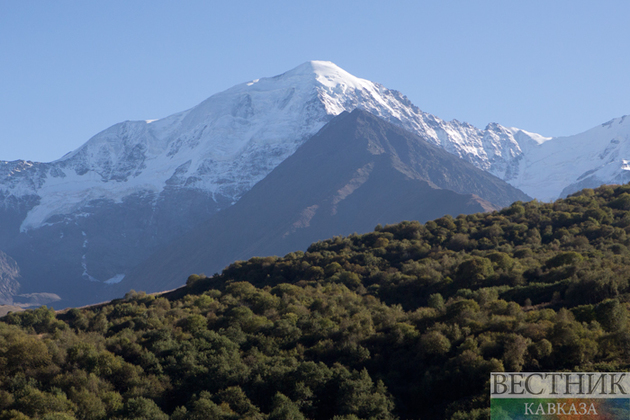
(141, 408)
(284, 409)
(611, 314)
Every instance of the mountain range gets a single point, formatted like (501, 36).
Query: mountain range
(79, 225)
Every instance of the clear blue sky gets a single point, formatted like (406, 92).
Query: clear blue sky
(70, 69)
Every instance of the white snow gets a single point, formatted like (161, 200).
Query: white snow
(116, 279)
(536, 137)
(600, 154)
(85, 270)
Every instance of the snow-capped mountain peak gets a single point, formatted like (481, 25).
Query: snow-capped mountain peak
(222, 146)
(233, 139)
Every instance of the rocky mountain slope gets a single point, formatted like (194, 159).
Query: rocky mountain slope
(9, 274)
(357, 172)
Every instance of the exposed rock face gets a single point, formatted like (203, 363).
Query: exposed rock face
(9, 273)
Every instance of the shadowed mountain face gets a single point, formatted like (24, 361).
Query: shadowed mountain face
(357, 172)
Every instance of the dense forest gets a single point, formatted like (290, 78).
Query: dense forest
(404, 322)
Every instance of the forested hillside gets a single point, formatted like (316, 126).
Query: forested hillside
(405, 322)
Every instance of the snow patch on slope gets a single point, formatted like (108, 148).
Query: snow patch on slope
(116, 279)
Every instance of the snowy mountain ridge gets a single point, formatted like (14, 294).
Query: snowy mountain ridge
(566, 165)
(232, 140)
(229, 142)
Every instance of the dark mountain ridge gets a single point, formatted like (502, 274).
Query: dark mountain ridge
(357, 172)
